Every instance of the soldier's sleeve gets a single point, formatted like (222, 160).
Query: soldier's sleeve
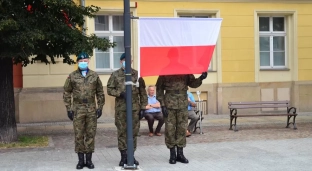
(67, 93)
(111, 86)
(160, 90)
(194, 82)
(143, 94)
(100, 94)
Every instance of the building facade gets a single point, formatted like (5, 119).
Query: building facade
(262, 54)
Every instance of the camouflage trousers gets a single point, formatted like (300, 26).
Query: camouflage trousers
(85, 123)
(121, 124)
(175, 127)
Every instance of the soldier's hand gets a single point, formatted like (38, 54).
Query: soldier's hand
(123, 95)
(203, 76)
(98, 113)
(70, 115)
(141, 114)
(164, 111)
(141, 82)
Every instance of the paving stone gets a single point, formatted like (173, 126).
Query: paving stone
(260, 144)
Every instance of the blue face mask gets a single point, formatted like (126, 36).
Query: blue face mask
(124, 64)
(83, 65)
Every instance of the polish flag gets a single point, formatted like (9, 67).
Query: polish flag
(172, 46)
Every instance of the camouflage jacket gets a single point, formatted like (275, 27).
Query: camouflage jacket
(176, 87)
(116, 85)
(83, 89)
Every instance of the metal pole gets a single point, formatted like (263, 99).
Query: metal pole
(127, 44)
(82, 3)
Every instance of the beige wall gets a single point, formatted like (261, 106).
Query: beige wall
(235, 77)
(303, 96)
(41, 105)
(42, 75)
(46, 104)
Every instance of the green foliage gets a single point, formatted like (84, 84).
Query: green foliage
(45, 31)
(26, 141)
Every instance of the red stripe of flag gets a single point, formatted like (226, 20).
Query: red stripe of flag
(175, 60)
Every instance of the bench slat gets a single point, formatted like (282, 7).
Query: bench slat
(256, 106)
(259, 102)
(264, 115)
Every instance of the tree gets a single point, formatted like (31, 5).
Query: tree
(32, 30)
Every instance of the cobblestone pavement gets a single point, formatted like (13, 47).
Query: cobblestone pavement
(260, 144)
(107, 138)
(259, 155)
(215, 128)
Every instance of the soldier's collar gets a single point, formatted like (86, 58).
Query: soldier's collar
(85, 70)
(124, 71)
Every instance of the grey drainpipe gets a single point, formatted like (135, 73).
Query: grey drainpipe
(82, 3)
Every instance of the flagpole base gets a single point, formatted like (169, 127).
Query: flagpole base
(134, 167)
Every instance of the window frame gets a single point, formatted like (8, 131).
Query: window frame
(272, 34)
(110, 34)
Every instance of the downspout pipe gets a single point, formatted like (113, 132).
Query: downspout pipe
(82, 3)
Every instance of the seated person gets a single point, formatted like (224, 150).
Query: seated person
(153, 112)
(191, 114)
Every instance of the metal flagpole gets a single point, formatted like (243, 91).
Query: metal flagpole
(127, 43)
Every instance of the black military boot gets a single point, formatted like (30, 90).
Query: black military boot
(89, 163)
(180, 156)
(173, 156)
(80, 164)
(135, 161)
(123, 159)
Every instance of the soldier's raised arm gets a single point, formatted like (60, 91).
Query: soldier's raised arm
(68, 89)
(111, 87)
(160, 90)
(100, 94)
(143, 94)
(194, 82)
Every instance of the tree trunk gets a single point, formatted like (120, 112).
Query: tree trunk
(8, 131)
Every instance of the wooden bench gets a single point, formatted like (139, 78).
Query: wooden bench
(234, 106)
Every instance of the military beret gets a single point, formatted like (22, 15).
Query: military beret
(123, 56)
(82, 55)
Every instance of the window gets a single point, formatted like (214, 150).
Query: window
(199, 16)
(110, 27)
(272, 41)
(196, 16)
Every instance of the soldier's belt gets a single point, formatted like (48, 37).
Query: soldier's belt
(83, 101)
(176, 91)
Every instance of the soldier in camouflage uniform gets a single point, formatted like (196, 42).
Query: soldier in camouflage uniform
(174, 108)
(83, 85)
(116, 87)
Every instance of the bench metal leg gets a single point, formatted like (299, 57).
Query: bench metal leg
(294, 122)
(232, 117)
(199, 122)
(294, 111)
(195, 128)
(231, 121)
(235, 127)
(288, 118)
